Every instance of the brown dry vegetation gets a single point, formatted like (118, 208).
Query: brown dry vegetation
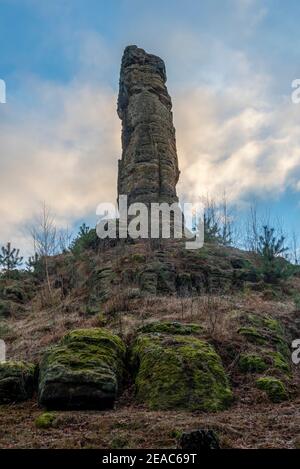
(242, 426)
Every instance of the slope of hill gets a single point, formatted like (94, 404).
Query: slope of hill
(186, 339)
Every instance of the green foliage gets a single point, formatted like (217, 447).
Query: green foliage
(274, 388)
(211, 228)
(35, 265)
(86, 239)
(270, 247)
(10, 258)
(276, 269)
(280, 362)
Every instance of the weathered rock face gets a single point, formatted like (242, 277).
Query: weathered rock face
(84, 371)
(148, 170)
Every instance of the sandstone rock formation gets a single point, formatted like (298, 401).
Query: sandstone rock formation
(83, 371)
(175, 369)
(148, 170)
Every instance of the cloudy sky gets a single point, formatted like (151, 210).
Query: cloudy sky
(230, 64)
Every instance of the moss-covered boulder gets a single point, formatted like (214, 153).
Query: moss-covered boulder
(252, 363)
(84, 371)
(45, 420)
(264, 330)
(170, 327)
(174, 370)
(266, 345)
(274, 388)
(16, 381)
(262, 359)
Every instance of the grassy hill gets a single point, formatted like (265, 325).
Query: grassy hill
(206, 340)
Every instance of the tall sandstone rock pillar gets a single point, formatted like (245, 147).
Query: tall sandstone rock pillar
(148, 169)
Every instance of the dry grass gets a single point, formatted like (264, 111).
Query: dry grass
(217, 314)
(242, 426)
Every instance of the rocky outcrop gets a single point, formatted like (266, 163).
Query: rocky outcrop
(148, 170)
(174, 369)
(84, 371)
(16, 381)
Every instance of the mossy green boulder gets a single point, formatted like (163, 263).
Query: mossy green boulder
(262, 359)
(251, 363)
(45, 420)
(16, 381)
(174, 371)
(274, 388)
(84, 371)
(266, 344)
(264, 330)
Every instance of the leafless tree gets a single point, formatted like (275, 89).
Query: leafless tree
(252, 232)
(44, 235)
(64, 239)
(295, 248)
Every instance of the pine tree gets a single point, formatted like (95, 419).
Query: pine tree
(10, 258)
(271, 246)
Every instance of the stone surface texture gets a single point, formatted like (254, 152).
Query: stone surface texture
(148, 169)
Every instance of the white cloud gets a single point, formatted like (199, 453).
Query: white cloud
(241, 142)
(63, 151)
(62, 143)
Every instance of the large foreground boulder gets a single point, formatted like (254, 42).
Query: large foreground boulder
(16, 381)
(176, 369)
(84, 371)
